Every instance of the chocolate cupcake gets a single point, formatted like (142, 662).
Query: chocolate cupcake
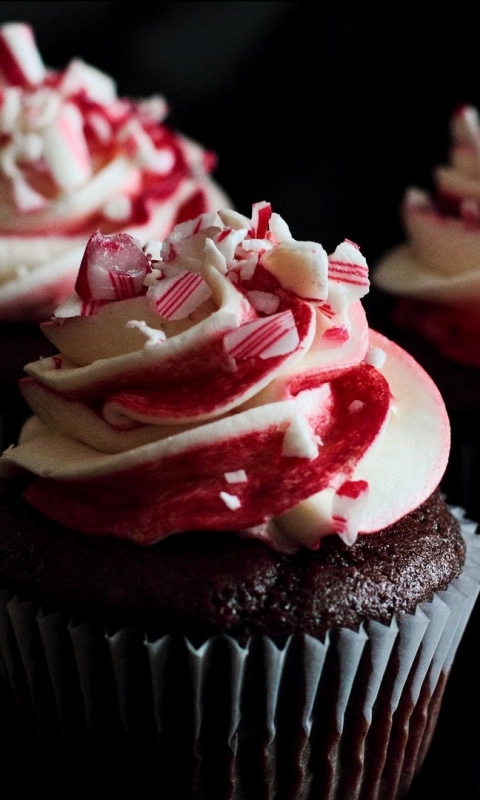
(223, 550)
(77, 158)
(429, 305)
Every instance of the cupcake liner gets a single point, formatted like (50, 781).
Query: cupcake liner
(351, 716)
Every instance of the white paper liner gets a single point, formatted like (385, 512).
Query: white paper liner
(350, 716)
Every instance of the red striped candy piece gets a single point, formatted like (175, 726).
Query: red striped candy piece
(113, 267)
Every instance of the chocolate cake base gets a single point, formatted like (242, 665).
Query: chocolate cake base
(200, 584)
(209, 667)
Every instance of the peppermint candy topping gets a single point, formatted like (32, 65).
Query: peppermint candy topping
(177, 297)
(348, 507)
(113, 267)
(266, 337)
(20, 62)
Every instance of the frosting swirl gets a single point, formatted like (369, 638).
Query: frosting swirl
(74, 158)
(437, 270)
(226, 378)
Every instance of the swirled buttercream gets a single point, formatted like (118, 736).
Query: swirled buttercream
(436, 271)
(74, 158)
(226, 379)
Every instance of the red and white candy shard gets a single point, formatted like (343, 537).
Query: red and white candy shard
(20, 62)
(113, 268)
(180, 404)
(75, 158)
(179, 296)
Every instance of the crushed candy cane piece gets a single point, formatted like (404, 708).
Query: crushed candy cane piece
(261, 213)
(178, 296)
(266, 337)
(347, 265)
(239, 476)
(348, 506)
(20, 61)
(266, 302)
(113, 267)
(376, 357)
(80, 76)
(65, 149)
(231, 500)
(300, 267)
(299, 440)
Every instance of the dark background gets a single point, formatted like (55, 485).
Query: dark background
(328, 110)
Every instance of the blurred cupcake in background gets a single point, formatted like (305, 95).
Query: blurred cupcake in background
(431, 288)
(76, 158)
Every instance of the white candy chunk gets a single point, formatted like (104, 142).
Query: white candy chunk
(214, 257)
(179, 244)
(10, 102)
(66, 150)
(227, 242)
(348, 508)
(232, 219)
(265, 302)
(300, 267)
(376, 357)
(231, 500)
(155, 108)
(299, 440)
(160, 161)
(20, 61)
(97, 85)
(71, 307)
(279, 228)
(247, 267)
(239, 476)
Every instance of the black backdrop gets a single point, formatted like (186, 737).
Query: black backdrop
(328, 110)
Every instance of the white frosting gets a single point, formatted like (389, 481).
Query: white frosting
(287, 422)
(75, 158)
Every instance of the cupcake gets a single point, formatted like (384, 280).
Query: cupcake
(76, 158)
(430, 284)
(223, 555)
